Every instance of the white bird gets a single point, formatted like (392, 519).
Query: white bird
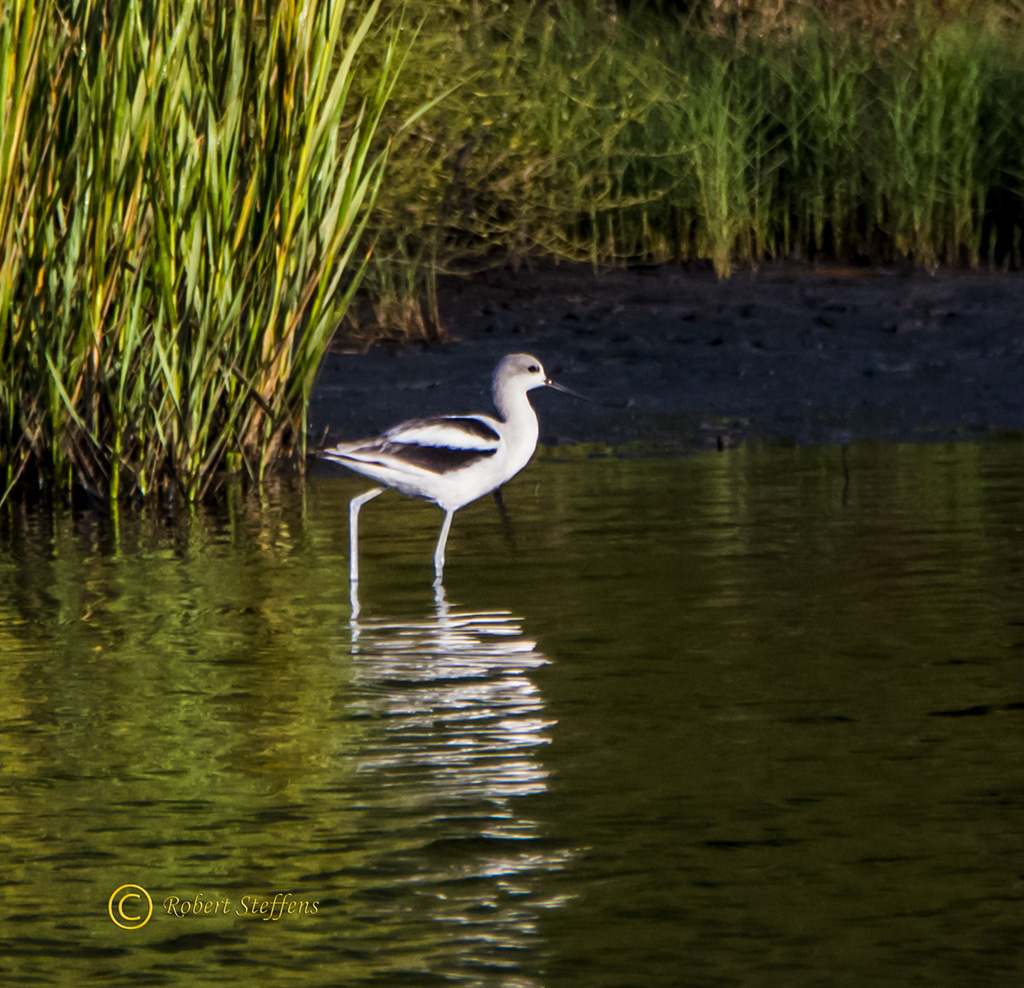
(451, 459)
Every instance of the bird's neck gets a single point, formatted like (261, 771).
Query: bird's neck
(521, 430)
(515, 409)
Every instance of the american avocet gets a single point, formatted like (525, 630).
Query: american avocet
(451, 459)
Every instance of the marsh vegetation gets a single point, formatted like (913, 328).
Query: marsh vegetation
(185, 189)
(874, 131)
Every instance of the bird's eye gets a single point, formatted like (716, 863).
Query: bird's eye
(533, 369)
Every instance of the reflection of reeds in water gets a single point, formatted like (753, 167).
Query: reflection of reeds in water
(453, 723)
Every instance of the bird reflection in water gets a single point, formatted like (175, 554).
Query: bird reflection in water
(453, 725)
(455, 693)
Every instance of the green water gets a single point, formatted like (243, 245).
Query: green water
(739, 719)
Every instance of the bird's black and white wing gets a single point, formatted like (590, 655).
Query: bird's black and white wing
(454, 431)
(442, 444)
(409, 453)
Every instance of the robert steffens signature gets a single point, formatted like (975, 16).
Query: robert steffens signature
(270, 910)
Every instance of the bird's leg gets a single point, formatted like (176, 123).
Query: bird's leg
(441, 543)
(353, 530)
(506, 521)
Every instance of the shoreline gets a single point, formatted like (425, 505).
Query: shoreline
(789, 352)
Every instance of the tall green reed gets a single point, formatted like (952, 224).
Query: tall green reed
(930, 179)
(858, 131)
(183, 193)
(820, 107)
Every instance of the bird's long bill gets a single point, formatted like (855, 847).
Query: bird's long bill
(569, 391)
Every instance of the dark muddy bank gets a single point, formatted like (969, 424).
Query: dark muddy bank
(787, 353)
